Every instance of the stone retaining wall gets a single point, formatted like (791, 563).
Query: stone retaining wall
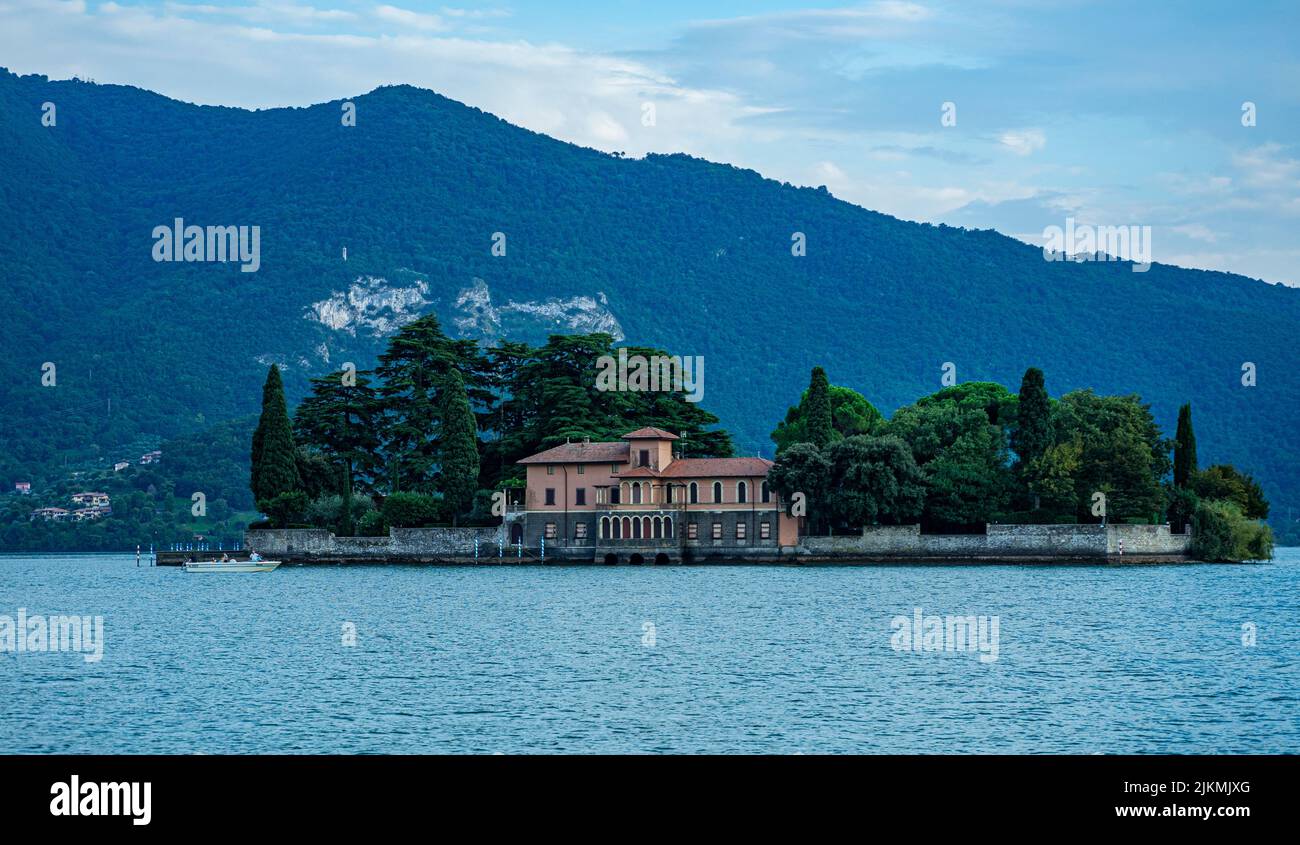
(1045, 543)
(1073, 542)
(414, 543)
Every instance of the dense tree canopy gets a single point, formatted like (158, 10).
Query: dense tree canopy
(971, 453)
(850, 415)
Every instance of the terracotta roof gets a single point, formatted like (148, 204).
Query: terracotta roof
(581, 453)
(650, 433)
(641, 472)
(714, 467)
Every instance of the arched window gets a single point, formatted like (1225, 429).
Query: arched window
(645, 527)
(717, 491)
(668, 527)
(636, 494)
(695, 493)
(604, 528)
(658, 528)
(767, 493)
(627, 528)
(618, 529)
(742, 492)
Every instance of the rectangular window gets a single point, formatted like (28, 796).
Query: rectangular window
(550, 495)
(717, 530)
(740, 530)
(692, 531)
(550, 469)
(550, 531)
(580, 496)
(602, 495)
(613, 469)
(765, 531)
(582, 469)
(580, 531)
(645, 457)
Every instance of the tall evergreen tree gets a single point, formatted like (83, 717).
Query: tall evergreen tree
(271, 387)
(821, 429)
(341, 420)
(1184, 448)
(276, 468)
(417, 359)
(1033, 433)
(458, 475)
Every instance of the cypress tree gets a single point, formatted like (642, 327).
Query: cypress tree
(271, 387)
(276, 470)
(459, 447)
(1184, 448)
(820, 426)
(1032, 436)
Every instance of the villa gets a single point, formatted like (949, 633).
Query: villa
(636, 500)
(91, 499)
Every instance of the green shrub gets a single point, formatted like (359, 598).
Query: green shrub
(327, 511)
(1222, 534)
(371, 524)
(285, 508)
(410, 510)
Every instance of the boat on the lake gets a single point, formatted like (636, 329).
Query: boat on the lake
(231, 565)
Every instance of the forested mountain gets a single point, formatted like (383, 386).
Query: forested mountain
(667, 251)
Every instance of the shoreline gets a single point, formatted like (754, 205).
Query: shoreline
(873, 545)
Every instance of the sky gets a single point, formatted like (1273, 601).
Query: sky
(1110, 113)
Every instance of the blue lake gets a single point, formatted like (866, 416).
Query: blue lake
(777, 660)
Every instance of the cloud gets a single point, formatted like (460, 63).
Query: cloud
(1023, 142)
(264, 12)
(405, 17)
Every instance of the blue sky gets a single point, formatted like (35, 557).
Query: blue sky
(1112, 113)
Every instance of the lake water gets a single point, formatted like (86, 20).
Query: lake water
(781, 660)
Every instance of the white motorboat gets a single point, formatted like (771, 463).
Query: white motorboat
(231, 566)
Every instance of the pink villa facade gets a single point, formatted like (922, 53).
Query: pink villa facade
(635, 501)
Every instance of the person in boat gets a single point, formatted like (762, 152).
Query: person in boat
(225, 558)
(255, 557)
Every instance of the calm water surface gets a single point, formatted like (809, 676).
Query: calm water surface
(744, 659)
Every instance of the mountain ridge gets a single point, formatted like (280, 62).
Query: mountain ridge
(687, 255)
